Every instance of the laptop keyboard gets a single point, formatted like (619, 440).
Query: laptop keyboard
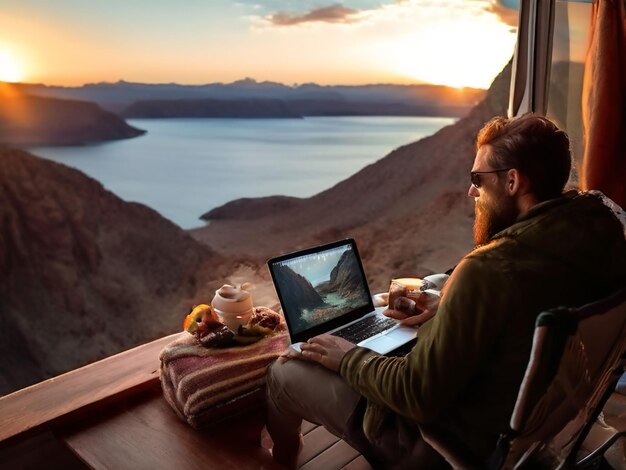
(365, 328)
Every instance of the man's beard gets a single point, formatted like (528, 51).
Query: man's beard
(493, 218)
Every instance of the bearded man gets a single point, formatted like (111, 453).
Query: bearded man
(536, 248)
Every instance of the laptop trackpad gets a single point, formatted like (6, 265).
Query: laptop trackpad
(385, 343)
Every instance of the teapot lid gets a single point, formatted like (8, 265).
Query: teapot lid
(229, 292)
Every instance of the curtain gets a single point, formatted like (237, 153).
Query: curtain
(604, 102)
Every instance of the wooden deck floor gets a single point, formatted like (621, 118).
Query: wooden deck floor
(145, 433)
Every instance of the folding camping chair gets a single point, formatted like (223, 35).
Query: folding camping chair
(576, 358)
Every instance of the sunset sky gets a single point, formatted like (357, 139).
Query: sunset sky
(72, 42)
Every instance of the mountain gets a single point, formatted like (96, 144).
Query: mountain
(365, 99)
(84, 274)
(297, 290)
(345, 279)
(244, 108)
(273, 108)
(408, 211)
(32, 120)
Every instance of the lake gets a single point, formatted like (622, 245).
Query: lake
(184, 167)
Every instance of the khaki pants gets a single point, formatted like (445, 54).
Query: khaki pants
(298, 390)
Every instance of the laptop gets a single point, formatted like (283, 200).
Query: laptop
(324, 290)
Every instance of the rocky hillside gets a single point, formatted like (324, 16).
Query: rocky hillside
(30, 120)
(297, 290)
(84, 274)
(409, 211)
(345, 279)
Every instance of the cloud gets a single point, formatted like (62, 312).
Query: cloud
(330, 14)
(503, 10)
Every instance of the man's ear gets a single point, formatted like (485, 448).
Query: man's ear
(516, 182)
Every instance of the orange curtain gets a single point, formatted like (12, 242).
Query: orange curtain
(604, 102)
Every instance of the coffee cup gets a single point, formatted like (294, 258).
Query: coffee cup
(233, 306)
(404, 287)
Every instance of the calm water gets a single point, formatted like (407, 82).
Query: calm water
(184, 167)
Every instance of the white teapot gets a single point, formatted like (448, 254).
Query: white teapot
(233, 306)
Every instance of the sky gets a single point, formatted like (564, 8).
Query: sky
(73, 42)
(316, 268)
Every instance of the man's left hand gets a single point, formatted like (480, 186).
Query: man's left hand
(426, 306)
(326, 350)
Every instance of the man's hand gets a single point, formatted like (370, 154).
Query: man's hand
(326, 350)
(425, 308)
(288, 354)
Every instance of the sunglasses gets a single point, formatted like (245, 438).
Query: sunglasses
(475, 176)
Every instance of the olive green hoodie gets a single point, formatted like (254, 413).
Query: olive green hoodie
(465, 370)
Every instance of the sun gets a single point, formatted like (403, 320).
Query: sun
(454, 51)
(10, 69)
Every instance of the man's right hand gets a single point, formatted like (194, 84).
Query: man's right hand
(425, 308)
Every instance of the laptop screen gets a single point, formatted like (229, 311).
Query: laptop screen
(321, 288)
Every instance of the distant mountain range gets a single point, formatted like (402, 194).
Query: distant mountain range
(36, 114)
(174, 100)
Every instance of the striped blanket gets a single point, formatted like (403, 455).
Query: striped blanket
(205, 385)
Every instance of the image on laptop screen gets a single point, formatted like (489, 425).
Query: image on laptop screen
(318, 287)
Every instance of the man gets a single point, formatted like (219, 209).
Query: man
(536, 248)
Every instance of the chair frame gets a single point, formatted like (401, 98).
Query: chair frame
(612, 372)
(566, 320)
